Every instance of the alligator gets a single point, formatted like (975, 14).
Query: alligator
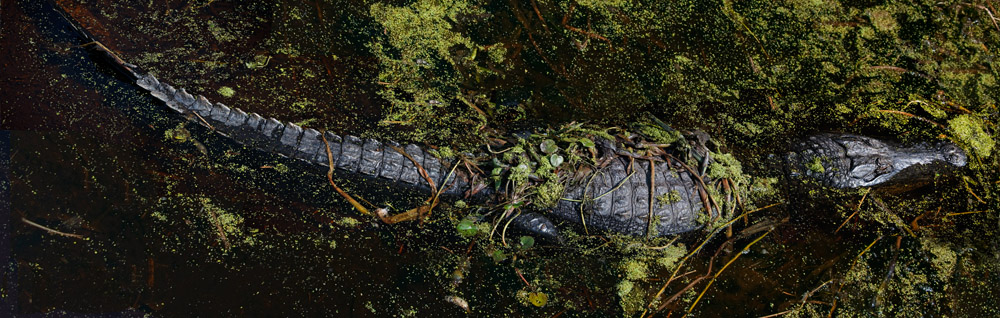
(617, 194)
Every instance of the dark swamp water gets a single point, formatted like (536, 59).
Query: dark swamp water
(117, 207)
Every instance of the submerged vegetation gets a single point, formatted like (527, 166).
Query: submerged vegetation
(462, 74)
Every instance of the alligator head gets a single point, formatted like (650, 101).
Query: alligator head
(852, 161)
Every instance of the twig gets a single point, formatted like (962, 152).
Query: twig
(890, 111)
(856, 210)
(964, 213)
(420, 169)
(203, 121)
(218, 227)
(521, 276)
(992, 18)
(329, 177)
(652, 192)
(46, 229)
(724, 268)
(695, 251)
(702, 189)
(565, 23)
(539, 13)
(855, 262)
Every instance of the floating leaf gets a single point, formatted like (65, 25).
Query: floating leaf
(555, 160)
(499, 256)
(467, 227)
(548, 146)
(539, 299)
(527, 242)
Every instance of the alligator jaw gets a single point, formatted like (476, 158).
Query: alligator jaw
(852, 161)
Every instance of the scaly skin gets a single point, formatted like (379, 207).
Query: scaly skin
(852, 161)
(369, 158)
(615, 196)
(618, 199)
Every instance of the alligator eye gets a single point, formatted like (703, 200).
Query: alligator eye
(956, 158)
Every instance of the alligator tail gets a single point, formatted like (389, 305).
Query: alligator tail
(368, 157)
(350, 154)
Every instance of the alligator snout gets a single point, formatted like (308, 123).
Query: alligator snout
(852, 161)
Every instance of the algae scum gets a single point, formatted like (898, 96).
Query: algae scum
(181, 221)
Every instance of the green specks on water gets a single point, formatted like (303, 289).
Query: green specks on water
(227, 91)
(220, 34)
(969, 130)
(303, 104)
(348, 222)
(550, 190)
(281, 168)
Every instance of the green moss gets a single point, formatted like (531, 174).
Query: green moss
(443, 152)
(944, 257)
(178, 133)
(671, 255)
(969, 130)
(724, 166)
(635, 270)
(668, 198)
(659, 135)
(226, 91)
(815, 165)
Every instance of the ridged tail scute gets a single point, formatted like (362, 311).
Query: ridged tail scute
(370, 158)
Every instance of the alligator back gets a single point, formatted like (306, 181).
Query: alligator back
(622, 195)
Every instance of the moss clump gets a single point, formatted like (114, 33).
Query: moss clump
(635, 270)
(816, 165)
(178, 134)
(227, 91)
(970, 130)
(725, 165)
(668, 198)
